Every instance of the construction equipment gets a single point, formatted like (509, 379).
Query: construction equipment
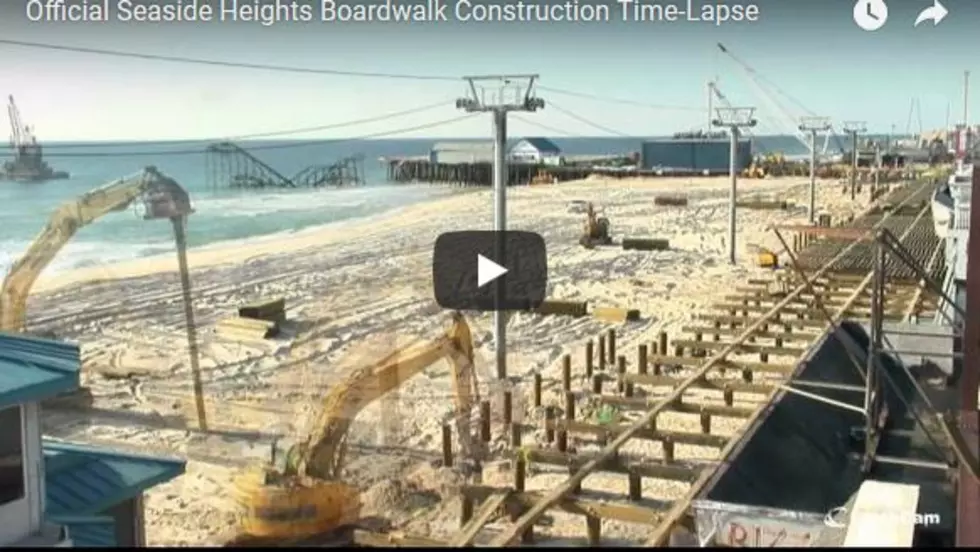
(299, 494)
(765, 258)
(596, 229)
(28, 164)
(162, 198)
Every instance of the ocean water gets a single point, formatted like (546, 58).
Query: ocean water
(223, 214)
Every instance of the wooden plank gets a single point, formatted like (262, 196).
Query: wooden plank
(761, 367)
(628, 513)
(883, 515)
(487, 510)
(679, 407)
(739, 348)
(715, 384)
(679, 437)
(671, 472)
(785, 336)
(615, 315)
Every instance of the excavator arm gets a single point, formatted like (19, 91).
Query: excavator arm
(162, 196)
(321, 455)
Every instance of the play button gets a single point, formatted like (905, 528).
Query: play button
(465, 263)
(487, 271)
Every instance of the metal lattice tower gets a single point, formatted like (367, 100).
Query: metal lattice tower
(499, 95)
(853, 128)
(734, 119)
(813, 126)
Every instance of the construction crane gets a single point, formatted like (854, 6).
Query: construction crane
(300, 494)
(28, 164)
(791, 123)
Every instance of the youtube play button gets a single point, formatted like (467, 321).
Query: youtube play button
(469, 270)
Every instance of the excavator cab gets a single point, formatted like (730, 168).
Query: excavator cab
(164, 198)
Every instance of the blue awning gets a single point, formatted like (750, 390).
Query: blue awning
(86, 480)
(33, 369)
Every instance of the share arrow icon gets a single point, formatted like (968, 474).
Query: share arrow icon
(935, 13)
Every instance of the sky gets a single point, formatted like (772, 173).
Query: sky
(804, 52)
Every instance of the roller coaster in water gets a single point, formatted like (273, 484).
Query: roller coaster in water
(231, 166)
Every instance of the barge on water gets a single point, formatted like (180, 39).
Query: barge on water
(28, 164)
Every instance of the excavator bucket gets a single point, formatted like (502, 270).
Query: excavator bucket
(165, 198)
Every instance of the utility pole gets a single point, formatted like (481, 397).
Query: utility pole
(813, 125)
(734, 119)
(499, 95)
(854, 128)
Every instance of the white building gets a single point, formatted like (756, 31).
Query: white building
(538, 151)
(458, 153)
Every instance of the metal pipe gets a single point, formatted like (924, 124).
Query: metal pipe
(185, 285)
(499, 226)
(732, 193)
(811, 204)
(821, 398)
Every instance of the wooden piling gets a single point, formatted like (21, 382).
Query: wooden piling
(662, 344)
(566, 373)
(621, 374)
(537, 390)
(549, 424)
(447, 445)
(602, 353)
(611, 338)
(508, 408)
(589, 356)
(485, 421)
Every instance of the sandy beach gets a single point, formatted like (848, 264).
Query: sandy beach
(354, 291)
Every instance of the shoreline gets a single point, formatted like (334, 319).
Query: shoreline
(216, 253)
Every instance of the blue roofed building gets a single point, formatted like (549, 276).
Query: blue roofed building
(537, 151)
(62, 494)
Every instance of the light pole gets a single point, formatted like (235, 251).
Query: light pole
(813, 125)
(854, 128)
(734, 119)
(499, 95)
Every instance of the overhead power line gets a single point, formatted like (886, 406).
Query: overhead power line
(284, 145)
(579, 118)
(619, 101)
(221, 63)
(543, 126)
(253, 136)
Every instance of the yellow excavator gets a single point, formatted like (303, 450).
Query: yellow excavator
(300, 494)
(162, 198)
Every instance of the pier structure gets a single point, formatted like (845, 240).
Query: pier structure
(791, 356)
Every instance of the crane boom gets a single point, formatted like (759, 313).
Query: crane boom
(162, 196)
(17, 132)
(755, 78)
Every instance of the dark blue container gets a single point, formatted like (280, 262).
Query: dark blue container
(697, 155)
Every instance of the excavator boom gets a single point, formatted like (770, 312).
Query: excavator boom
(162, 196)
(306, 496)
(321, 456)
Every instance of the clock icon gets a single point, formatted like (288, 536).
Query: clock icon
(870, 15)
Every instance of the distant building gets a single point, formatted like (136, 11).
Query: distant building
(694, 155)
(456, 153)
(536, 151)
(58, 494)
